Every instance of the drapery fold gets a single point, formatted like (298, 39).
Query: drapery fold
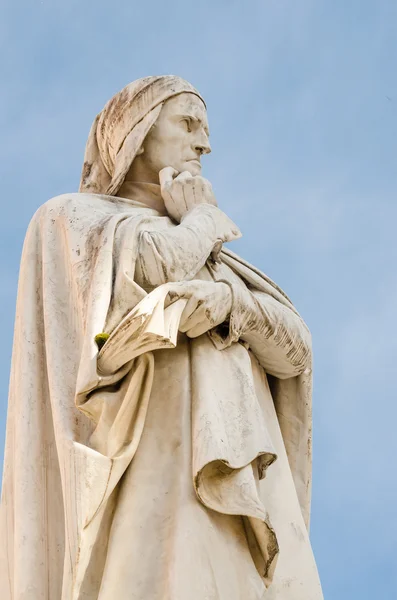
(66, 450)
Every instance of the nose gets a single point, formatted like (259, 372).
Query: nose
(202, 145)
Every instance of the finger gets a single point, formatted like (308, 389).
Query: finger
(190, 193)
(206, 190)
(178, 195)
(183, 176)
(174, 199)
(167, 176)
(199, 180)
(184, 289)
(209, 192)
(200, 314)
(199, 329)
(190, 316)
(177, 291)
(181, 189)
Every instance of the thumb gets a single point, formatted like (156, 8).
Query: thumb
(167, 176)
(176, 291)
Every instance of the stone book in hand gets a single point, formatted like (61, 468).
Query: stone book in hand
(148, 326)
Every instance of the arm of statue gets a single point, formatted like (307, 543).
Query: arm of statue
(277, 336)
(209, 303)
(178, 252)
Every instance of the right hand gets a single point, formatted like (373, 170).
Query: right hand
(182, 192)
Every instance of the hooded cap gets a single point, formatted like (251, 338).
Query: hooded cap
(119, 130)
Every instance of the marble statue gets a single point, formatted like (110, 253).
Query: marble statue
(159, 427)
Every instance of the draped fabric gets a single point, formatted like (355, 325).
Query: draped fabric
(79, 444)
(77, 279)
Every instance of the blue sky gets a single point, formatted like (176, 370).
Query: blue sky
(302, 101)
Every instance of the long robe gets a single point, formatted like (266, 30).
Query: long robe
(160, 480)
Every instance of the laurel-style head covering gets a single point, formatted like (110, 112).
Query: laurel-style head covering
(119, 130)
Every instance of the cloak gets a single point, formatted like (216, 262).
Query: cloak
(72, 432)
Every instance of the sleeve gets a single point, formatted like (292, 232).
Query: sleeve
(177, 253)
(277, 335)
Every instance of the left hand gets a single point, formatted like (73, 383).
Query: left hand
(209, 304)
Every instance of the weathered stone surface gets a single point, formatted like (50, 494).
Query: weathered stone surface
(159, 427)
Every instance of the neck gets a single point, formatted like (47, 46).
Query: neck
(145, 193)
(140, 172)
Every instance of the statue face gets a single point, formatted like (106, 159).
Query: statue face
(179, 136)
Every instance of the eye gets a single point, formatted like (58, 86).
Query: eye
(188, 124)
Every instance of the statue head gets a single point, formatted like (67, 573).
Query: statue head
(152, 123)
(177, 139)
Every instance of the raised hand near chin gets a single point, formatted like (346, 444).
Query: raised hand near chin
(182, 192)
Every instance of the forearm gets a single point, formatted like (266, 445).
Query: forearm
(275, 333)
(177, 253)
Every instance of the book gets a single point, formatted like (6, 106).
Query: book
(148, 326)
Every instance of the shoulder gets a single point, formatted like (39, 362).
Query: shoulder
(84, 211)
(61, 204)
(78, 204)
(75, 200)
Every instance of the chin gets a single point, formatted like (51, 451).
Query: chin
(193, 169)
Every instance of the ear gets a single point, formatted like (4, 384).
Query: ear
(140, 151)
